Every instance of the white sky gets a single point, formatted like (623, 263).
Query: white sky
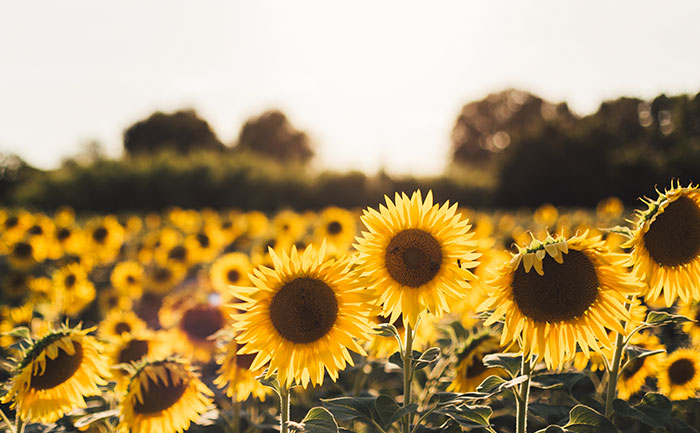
(375, 83)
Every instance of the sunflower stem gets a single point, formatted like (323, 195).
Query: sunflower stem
(284, 409)
(407, 376)
(523, 396)
(613, 374)
(10, 426)
(236, 416)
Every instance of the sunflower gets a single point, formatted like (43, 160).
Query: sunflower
(236, 376)
(160, 279)
(127, 279)
(471, 371)
(338, 226)
(26, 253)
(416, 256)
(109, 299)
(666, 245)
(561, 293)
(163, 396)
(74, 287)
(679, 375)
(289, 224)
(231, 269)
(303, 316)
(635, 374)
(105, 237)
(132, 348)
(206, 243)
(691, 310)
(196, 326)
(14, 317)
(119, 322)
(55, 374)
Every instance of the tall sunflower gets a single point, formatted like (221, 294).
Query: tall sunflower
(55, 374)
(416, 256)
(163, 396)
(679, 376)
(302, 316)
(666, 245)
(561, 293)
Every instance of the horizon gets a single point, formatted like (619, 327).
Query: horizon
(359, 87)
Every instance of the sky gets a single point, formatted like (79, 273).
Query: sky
(376, 84)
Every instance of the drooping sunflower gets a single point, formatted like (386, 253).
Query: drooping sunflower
(302, 316)
(679, 375)
(231, 269)
(559, 293)
(471, 371)
(163, 396)
(416, 256)
(666, 245)
(55, 374)
(236, 376)
(634, 375)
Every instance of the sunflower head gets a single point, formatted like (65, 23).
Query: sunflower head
(55, 373)
(679, 375)
(163, 395)
(416, 256)
(666, 245)
(559, 293)
(471, 371)
(235, 373)
(634, 375)
(302, 316)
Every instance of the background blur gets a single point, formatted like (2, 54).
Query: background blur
(271, 104)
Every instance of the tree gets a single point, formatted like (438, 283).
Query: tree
(182, 132)
(272, 135)
(14, 172)
(489, 126)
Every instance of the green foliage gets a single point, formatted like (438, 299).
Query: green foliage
(583, 419)
(317, 420)
(510, 362)
(381, 411)
(468, 416)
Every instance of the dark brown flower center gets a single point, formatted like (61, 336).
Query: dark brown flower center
(201, 321)
(177, 253)
(35, 230)
(334, 228)
(304, 310)
(564, 292)
(58, 370)
(162, 275)
(23, 250)
(413, 257)
(159, 396)
(100, 234)
(203, 240)
(63, 234)
(69, 282)
(133, 351)
(130, 279)
(122, 327)
(681, 371)
(232, 276)
(673, 239)
(11, 222)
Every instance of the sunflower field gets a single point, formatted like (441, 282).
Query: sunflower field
(413, 316)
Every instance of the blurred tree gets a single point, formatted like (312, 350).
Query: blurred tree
(489, 126)
(273, 136)
(14, 172)
(182, 132)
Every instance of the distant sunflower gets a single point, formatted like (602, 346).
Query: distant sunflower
(416, 256)
(75, 288)
(679, 376)
(302, 316)
(163, 396)
(236, 376)
(26, 253)
(160, 279)
(691, 310)
(206, 243)
(338, 226)
(196, 326)
(55, 374)
(14, 317)
(231, 269)
(666, 245)
(633, 377)
(105, 236)
(110, 299)
(127, 279)
(289, 224)
(471, 371)
(119, 322)
(561, 293)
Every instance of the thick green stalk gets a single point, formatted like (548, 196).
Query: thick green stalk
(523, 397)
(284, 410)
(407, 376)
(613, 374)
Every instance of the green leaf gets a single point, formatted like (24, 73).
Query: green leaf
(20, 332)
(510, 362)
(548, 413)
(454, 398)
(386, 330)
(621, 230)
(468, 416)
(426, 358)
(577, 385)
(552, 429)
(636, 352)
(350, 408)
(654, 410)
(270, 381)
(317, 420)
(583, 419)
(89, 419)
(494, 384)
(660, 318)
(385, 407)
